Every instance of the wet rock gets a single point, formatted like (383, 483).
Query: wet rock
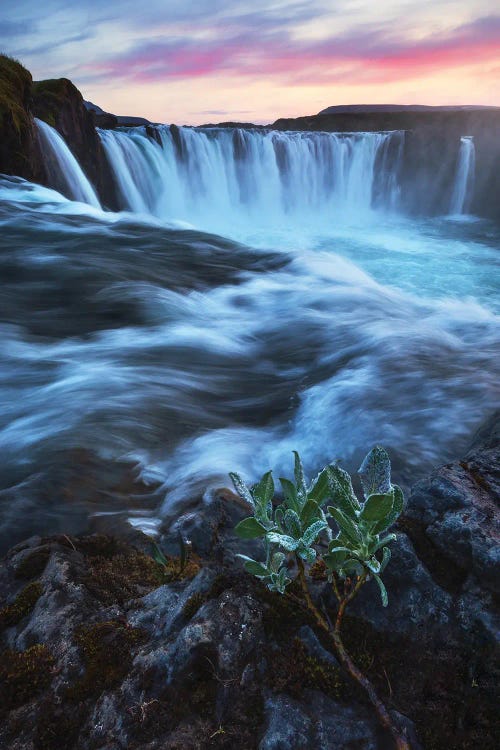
(317, 723)
(455, 512)
(119, 652)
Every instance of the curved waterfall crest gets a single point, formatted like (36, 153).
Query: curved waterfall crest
(270, 175)
(63, 169)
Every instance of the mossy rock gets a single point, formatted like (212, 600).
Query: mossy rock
(15, 86)
(51, 96)
(33, 564)
(107, 652)
(23, 674)
(22, 605)
(292, 669)
(117, 572)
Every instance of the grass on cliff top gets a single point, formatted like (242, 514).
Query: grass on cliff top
(50, 95)
(15, 81)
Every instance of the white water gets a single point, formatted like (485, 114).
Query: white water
(464, 178)
(217, 178)
(336, 325)
(64, 170)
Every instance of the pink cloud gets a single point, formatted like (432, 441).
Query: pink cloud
(354, 57)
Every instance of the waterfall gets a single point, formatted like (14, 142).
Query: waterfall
(464, 177)
(250, 175)
(64, 171)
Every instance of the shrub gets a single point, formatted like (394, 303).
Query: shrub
(325, 522)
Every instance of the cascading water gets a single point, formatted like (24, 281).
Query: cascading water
(269, 176)
(327, 327)
(464, 178)
(64, 171)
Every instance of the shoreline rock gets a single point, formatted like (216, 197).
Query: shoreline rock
(102, 647)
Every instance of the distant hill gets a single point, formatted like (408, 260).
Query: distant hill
(102, 117)
(362, 108)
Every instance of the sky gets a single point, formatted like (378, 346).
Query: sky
(198, 61)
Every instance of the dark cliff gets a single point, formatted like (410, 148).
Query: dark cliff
(19, 150)
(431, 145)
(58, 103)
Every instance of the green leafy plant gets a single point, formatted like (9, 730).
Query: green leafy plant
(326, 522)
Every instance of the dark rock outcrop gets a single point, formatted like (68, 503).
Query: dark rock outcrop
(104, 647)
(59, 103)
(430, 151)
(19, 148)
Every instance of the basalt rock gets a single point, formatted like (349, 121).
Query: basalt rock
(60, 104)
(103, 647)
(430, 150)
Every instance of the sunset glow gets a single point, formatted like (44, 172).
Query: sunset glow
(197, 61)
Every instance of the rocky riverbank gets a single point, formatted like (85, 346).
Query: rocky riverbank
(102, 647)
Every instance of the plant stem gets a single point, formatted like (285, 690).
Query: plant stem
(400, 741)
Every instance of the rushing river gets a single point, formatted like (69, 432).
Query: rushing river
(251, 298)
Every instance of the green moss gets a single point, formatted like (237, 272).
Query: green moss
(22, 605)
(107, 654)
(293, 669)
(56, 87)
(193, 604)
(51, 95)
(23, 674)
(282, 614)
(15, 84)
(33, 564)
(118, 572)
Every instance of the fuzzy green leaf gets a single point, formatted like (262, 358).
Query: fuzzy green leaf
(250, 528)
(300, 480)
(375, 472)
(383, 590)
(310, 512)
(385, 540)
(290, 494)
(287, 542)
(307, 553)
(263, 491)
(385, 523)
(312, 532)
(351, 565)
(386, 556)
(334, 559)
(377, 508)
(292, 524)
(373, 565)
(241, 488)
(341, 491)
(256, 569)
(399, 499)
(347, 527)
(277, 561)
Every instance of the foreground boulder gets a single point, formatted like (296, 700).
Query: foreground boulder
(103, 647)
